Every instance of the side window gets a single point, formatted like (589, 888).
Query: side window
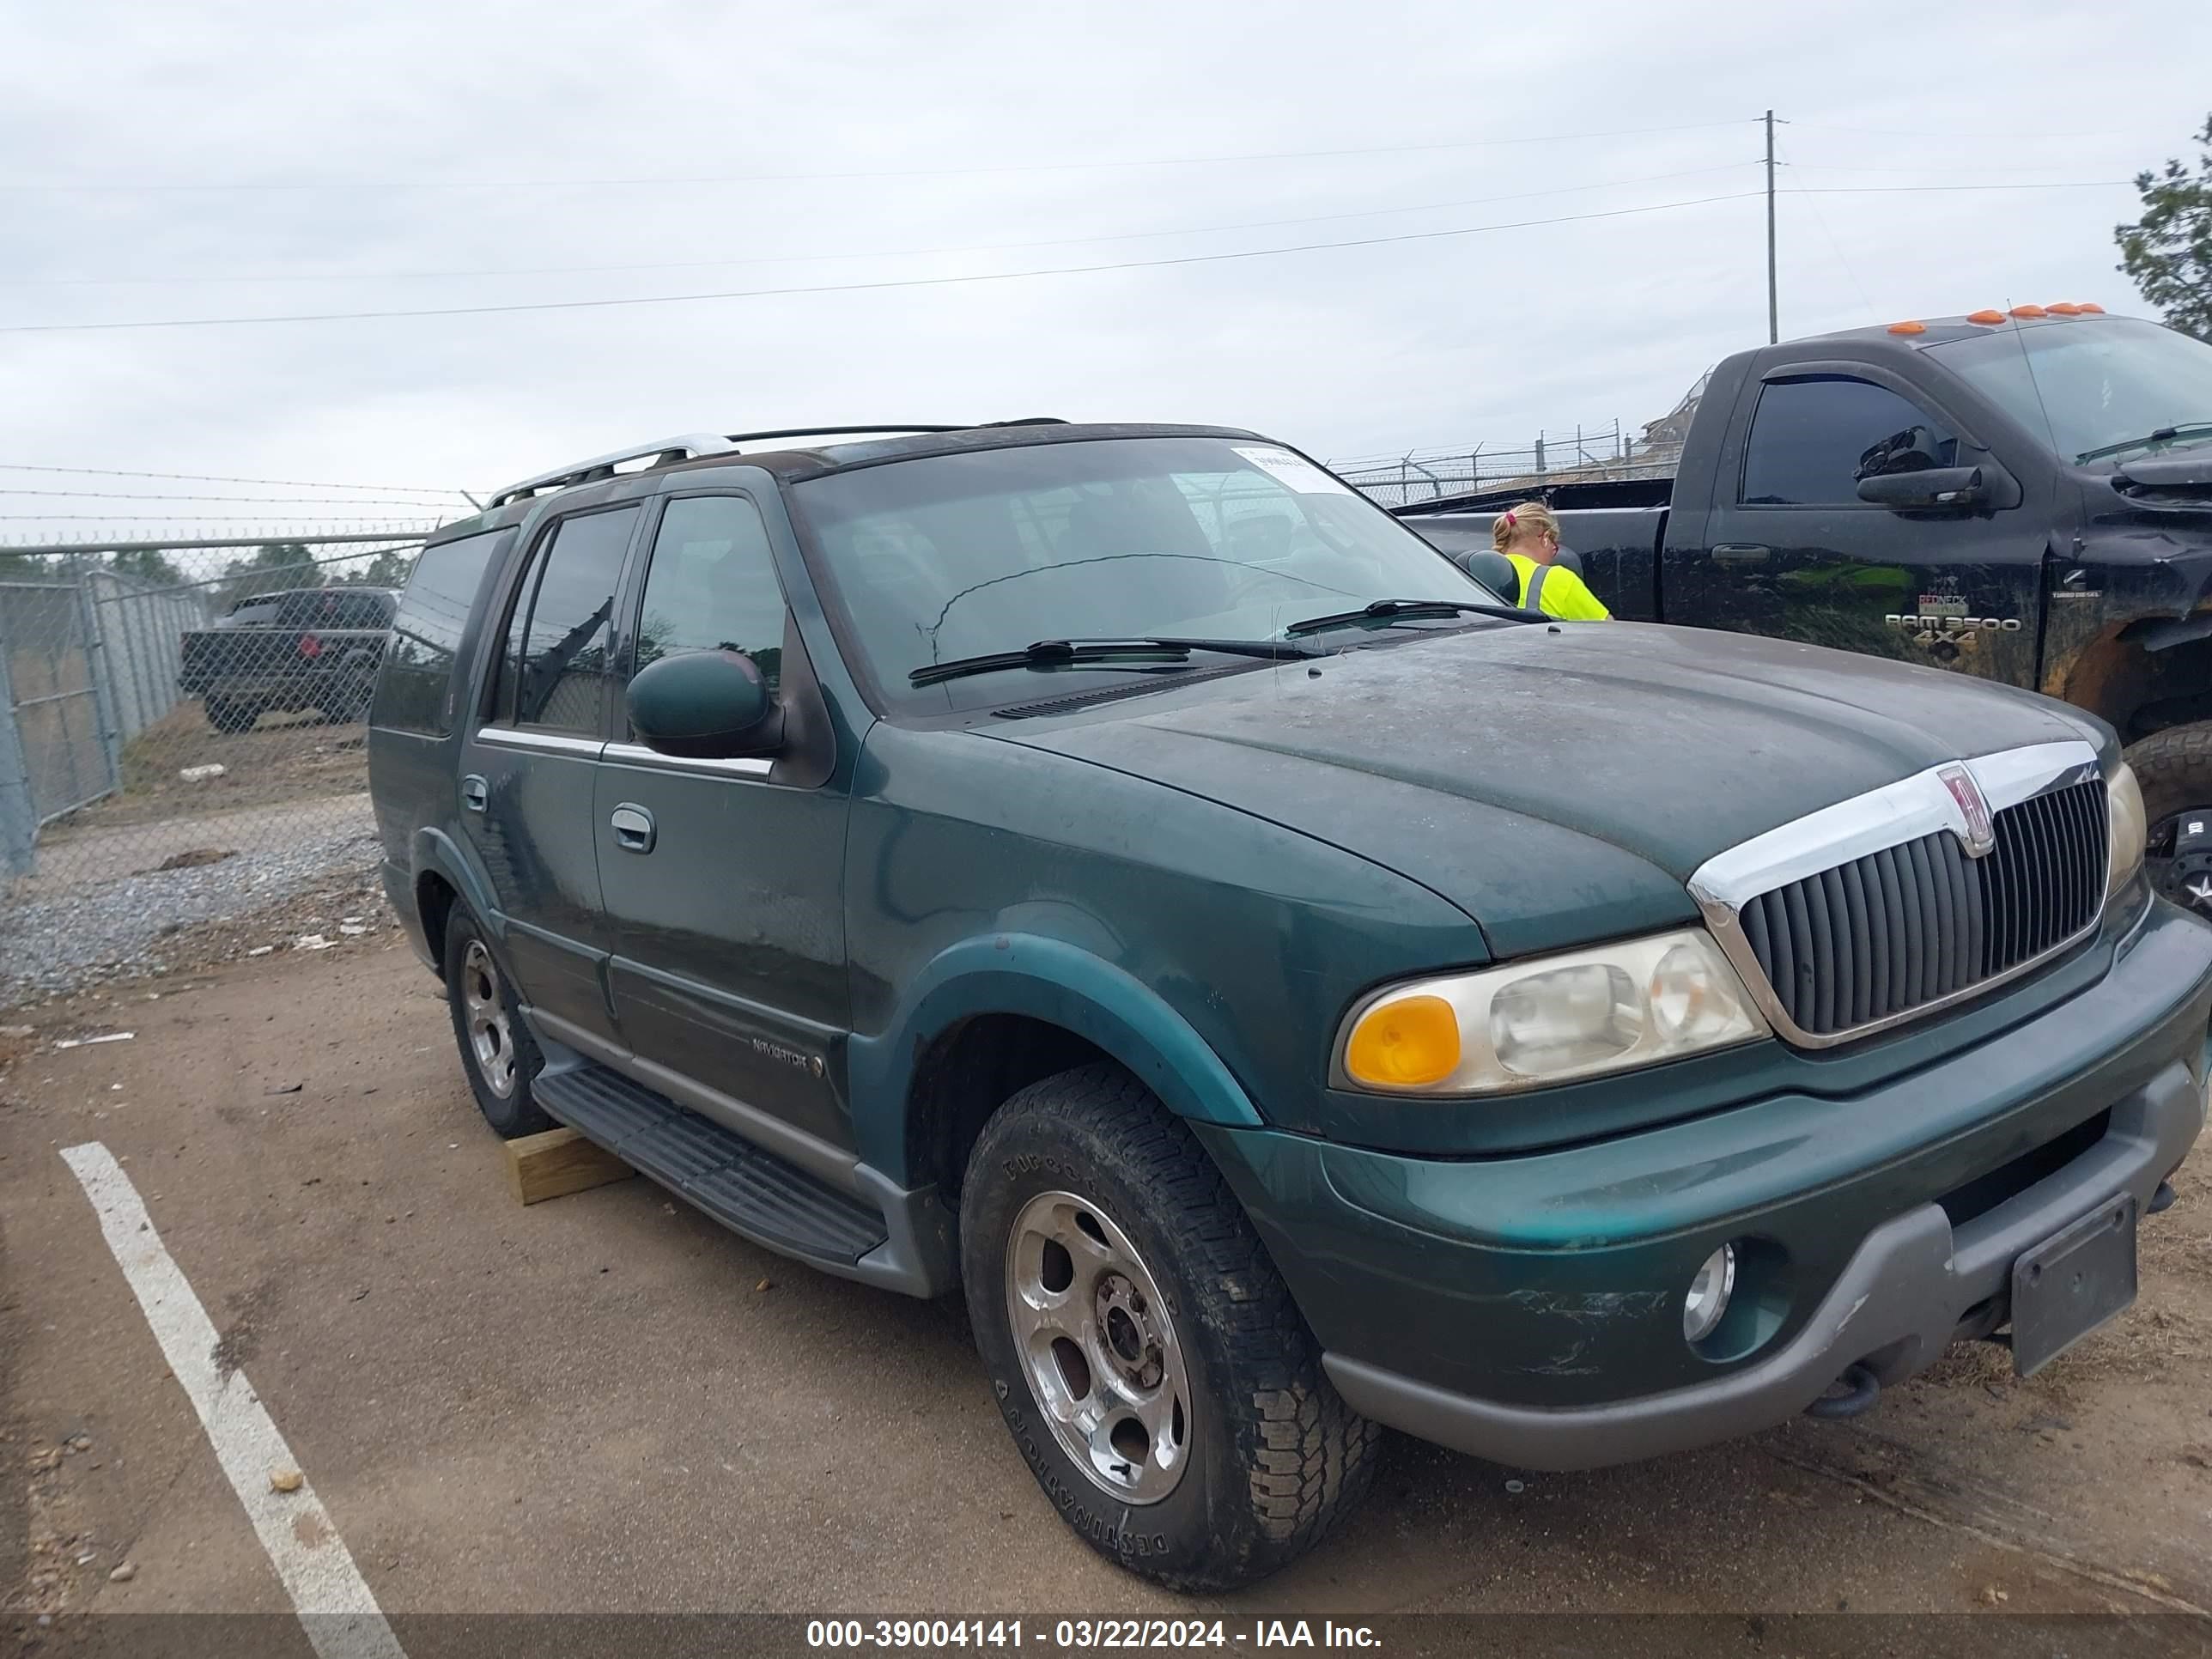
(712, 585)
(1812, 440)
(555, 666)
(417, 691)
(361, 611)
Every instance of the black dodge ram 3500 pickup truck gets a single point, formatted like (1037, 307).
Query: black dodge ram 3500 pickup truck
(2023, 496)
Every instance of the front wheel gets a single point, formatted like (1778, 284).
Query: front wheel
(1158, 1379)
(2174, 769)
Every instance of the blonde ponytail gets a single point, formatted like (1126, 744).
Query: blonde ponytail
(1529, 516)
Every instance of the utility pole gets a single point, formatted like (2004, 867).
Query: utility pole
(1773, 305)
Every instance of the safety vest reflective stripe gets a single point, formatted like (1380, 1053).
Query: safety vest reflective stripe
(1532, 598)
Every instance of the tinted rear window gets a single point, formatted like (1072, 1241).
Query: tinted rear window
(416, 692)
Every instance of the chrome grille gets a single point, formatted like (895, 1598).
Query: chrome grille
(1877, 938)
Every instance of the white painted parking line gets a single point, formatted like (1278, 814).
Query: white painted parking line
(337, 1613)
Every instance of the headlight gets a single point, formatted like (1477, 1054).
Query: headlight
(2124, 811)
(1608, 1009)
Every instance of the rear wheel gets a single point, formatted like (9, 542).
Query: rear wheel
(497, 1051)
(348, 700)
(2174, 769)
(225, 714)
(1158, 1379)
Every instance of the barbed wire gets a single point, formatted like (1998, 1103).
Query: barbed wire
(217, 477)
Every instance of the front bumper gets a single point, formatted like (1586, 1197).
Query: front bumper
(1528, 1309)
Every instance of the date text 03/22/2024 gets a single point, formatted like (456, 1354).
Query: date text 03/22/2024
(1083, 1634)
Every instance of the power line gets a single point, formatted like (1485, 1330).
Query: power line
(1836, 248)
(257, 501)
(1913, 172)
(1097, 165)
(856, 288)
(192, 518)
(1911, 189)
(1981, 134)
(216, 477)
(879, 254)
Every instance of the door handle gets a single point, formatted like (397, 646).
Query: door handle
(474, 794)
(633, 827)
(1741, 552)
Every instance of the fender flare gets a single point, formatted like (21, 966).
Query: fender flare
(1048, 980)
(436, 853)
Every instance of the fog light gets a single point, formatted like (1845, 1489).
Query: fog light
(1709, 1294)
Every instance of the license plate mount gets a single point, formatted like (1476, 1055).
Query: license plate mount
(2072, 1283)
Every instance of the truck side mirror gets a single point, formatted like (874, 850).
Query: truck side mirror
(1935, 487)
(705, 705)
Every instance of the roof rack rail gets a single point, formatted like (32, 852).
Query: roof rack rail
(863, 431)
(835, 432)
(665, 452)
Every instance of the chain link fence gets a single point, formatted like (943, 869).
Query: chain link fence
(181, 736)
(1573, 455)
(182, 722)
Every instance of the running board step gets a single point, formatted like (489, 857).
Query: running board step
(746, 1189)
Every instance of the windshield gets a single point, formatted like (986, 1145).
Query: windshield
(2102, 387)
(952, 556)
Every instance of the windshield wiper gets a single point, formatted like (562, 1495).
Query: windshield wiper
(2159, 435)
(1411, 608)
(1135, 653)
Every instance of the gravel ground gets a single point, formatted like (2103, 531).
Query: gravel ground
(157, 922)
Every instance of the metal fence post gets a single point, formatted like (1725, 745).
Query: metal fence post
(19, 817)
(101, 671)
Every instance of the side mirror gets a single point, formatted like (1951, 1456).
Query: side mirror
(1933, 487)
(705, 705)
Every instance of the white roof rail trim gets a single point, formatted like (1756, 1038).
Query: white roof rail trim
(687, 447)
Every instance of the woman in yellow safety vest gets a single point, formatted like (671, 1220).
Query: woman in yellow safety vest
(1528, 536)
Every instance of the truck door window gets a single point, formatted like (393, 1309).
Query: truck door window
(712, 585)
(1812, 440)
(555, 663)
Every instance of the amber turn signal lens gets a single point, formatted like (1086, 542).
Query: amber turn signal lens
(2027, 310)
(2091, 307)
(1987, 318)
(1908, 328)
(2063, 309)
(1404, 1042)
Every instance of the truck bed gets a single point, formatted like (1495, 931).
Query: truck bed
(1613, 529)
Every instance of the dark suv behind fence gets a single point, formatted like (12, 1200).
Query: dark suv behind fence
(300, 649)
(1120, 873)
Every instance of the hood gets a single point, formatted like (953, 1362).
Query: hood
(1559, 784)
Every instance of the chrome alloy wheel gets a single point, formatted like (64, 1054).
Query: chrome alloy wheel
(1103, 1361)
(483, 1009)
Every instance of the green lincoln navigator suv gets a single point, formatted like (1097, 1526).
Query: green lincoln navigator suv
(1119, 874)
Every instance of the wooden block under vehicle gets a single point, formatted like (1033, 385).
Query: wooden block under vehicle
(560, 1161)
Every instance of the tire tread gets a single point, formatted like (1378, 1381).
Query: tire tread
(1310, 1456)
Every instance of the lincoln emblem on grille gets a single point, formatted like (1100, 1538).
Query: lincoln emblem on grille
(1981, 835)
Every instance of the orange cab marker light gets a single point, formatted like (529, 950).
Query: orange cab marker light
(2092, 307)
(2027, 310)
(2064, 308)
(1987, 318)
(1908, 328)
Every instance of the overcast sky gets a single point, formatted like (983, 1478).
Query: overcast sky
(411, 155)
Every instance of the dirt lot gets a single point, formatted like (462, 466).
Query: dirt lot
(606, 1402)
(285, 759)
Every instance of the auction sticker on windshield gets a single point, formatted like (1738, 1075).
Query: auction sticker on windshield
(1285, 468)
